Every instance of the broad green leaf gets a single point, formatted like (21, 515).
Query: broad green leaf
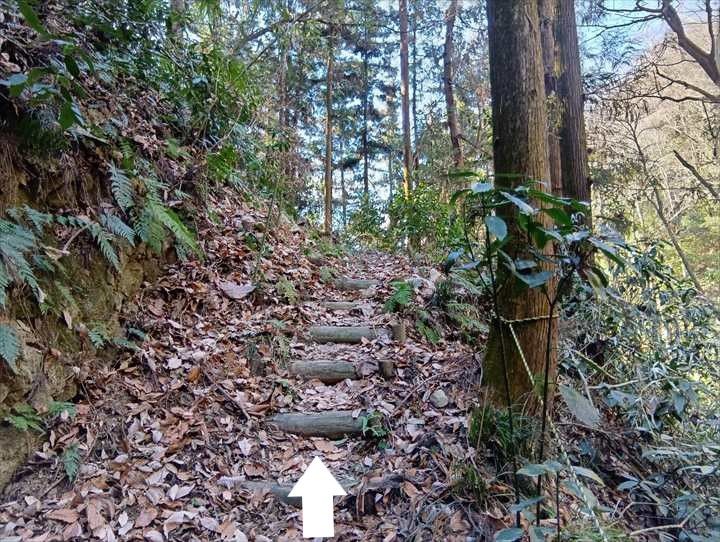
(520, 204)
(509, 535)
(533, 469)
(580, 406)
(558, 215)
(31, 17)
(522, 505)
(496, 226)
(587, 473)
(535, 279)
(479, 188)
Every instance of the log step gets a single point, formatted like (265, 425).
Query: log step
(329, 372)
(348, 284)
(346, 334)
(340, 305)
(333, 424)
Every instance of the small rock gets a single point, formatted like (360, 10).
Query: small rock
(439, 399)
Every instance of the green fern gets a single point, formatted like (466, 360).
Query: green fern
(56, 408)
(24, 417)
(99, 336)
(122, 187)
(71, 461)
(9, 345)
(16, 243)
(401, 297)
(117, 226)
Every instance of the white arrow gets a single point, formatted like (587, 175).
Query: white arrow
(316, 487)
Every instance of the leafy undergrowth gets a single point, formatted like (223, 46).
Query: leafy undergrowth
(166, 437)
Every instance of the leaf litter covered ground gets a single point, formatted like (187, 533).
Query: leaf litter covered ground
(174, 440)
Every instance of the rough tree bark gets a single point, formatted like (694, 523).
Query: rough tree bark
(547, 13)
(328, 137)
(573, 146)
(448, 84)
(520, 153)
(404, 76)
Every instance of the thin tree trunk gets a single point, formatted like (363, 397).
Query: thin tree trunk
(660, 210)
(342, 183)
(573, 146)
(414, 83)
(365, 99)
(520, 153)
(448, 51)
(328, 138)
(547, 12)
(404, 75)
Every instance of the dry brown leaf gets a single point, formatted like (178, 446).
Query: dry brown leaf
(66, 515)
(146, 517)
(236, 291)
(94, 517)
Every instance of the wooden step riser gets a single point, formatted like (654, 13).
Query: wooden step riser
(346, 334)
(329, 372)
(334, 424)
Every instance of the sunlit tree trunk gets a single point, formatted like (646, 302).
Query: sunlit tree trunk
(328, 138)
(573, 145)
(414, 64)
(520, 153)
(547, 11)
(448, 84)
(404, 75)
(365, 100)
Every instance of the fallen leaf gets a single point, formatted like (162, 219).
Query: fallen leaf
(64, 514)
(236, 291)
(146, 517)
(94, 518)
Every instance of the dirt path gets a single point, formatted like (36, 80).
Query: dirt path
(196, 436)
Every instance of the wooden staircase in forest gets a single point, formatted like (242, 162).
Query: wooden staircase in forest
(331, 424)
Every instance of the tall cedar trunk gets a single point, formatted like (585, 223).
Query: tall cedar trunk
(547, 12)
(573, 147)
(520, 153)
(404, 75)
(365, 100)
(328, 138)
(413, 21)
(448, 74)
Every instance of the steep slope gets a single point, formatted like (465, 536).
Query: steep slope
(186, 439)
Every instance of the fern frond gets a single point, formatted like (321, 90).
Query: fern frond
(171, 221)
(5, 281)
(71, 461)
(149, 229)
(104, 242)
(116, 226)
(9, 345)
(38, 219)
(121, 187)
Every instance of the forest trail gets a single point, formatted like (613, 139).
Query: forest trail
(241, 381)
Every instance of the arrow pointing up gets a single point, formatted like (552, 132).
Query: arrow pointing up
(316, 487)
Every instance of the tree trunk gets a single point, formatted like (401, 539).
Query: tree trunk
(448, 75)
(328, 139)
(573, 146)
(413, 22)
(547, 13)
(404, 69)
(520, 153)
(366, 92)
